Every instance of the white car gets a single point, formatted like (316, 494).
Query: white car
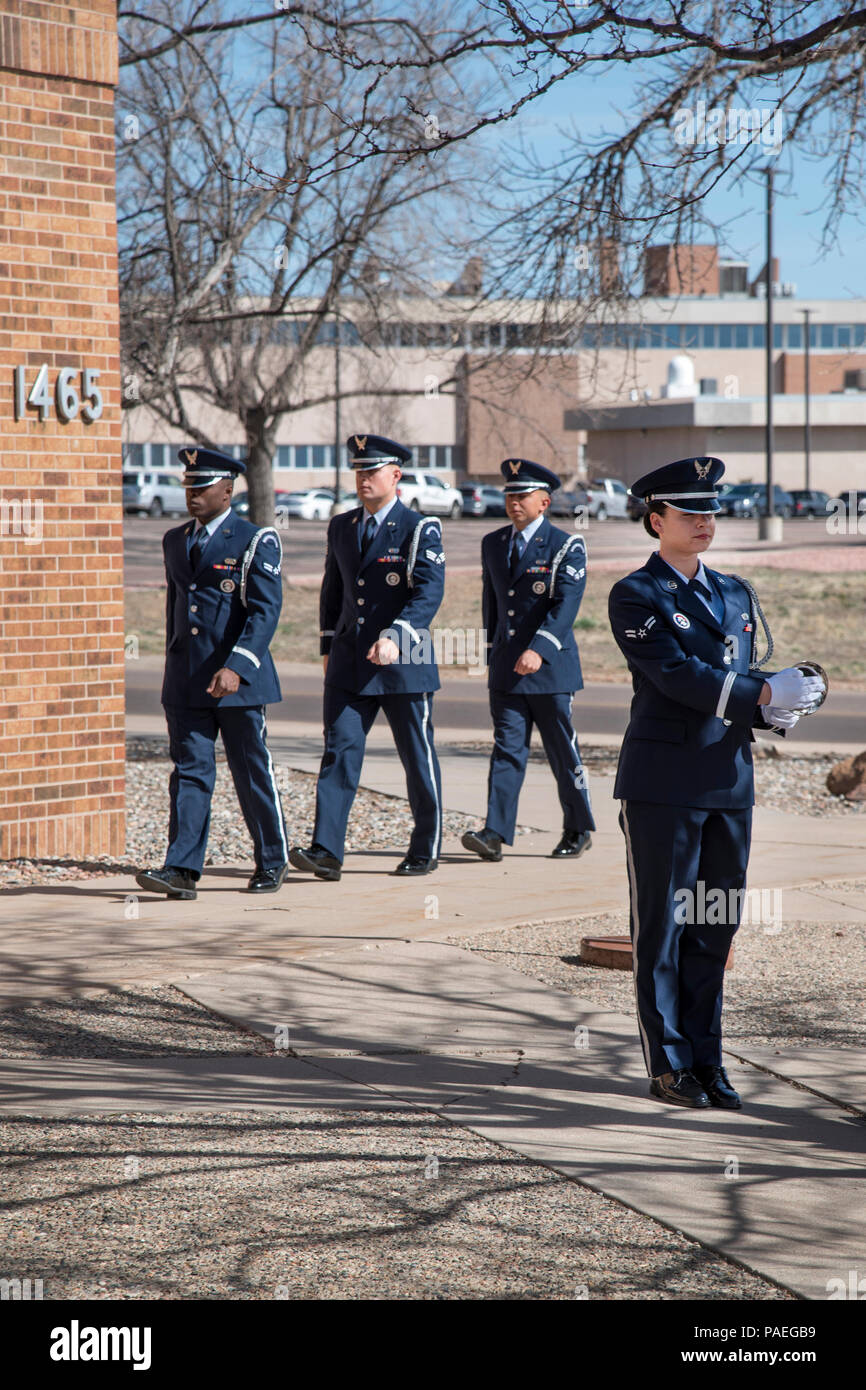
(313, 504)
(424, 492)
(153, 493)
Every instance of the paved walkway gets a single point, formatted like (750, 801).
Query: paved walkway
(380, 1011)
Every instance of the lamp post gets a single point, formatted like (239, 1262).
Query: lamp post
(807, 437)
(769, 525)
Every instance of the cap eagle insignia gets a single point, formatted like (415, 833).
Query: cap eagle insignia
(360, 442)
(191, 455)
(702, 469)
(514, 465)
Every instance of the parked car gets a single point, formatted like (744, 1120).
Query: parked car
(636, 508)
(568, 503)
(783, 502)
(808, 502)
(312, 504)
(606, 497)
(482, 499)
(424, 492)
(153, 493)
(241, 503)
(737, 499)
(851, 503)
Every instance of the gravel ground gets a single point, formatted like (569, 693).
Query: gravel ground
(377, 822)
(804, 986)
(793, 783)
(330, 1205)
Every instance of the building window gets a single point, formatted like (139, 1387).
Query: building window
(777, 335)
(671, 335)
(320, 455)
(690, 335)
(828, 335)
(726, 334)
(440, 456)
(514, 335)
(407, 335)
(795, 335)
(741, 335)
(759, 335)
(479, 335)
(843, 335)
(284, 456)
(421, 456)
(133, 456)
(589, 337)
(859, 334)
(708, 335)
(494, 331)
(302, 456)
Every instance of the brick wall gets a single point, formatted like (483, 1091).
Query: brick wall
(61, 618)
(674, 270)
(826, 371)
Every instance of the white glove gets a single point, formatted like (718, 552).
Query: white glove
(791, 688)
(780, 718)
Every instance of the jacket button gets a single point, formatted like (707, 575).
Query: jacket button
(193, 608)
(194, 631)
(511, 632)
(192, 586)
(360, 603)
(511, 612)
(360, 620)
(511, 593)
(360, 583)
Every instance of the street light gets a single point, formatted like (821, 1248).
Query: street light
(769, 525)
(807, 439)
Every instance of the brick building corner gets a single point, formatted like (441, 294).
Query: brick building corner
(61, 545)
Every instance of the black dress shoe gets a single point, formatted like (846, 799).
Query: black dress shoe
(485, 843)
(316, 860)
(680, 1088)
(267, 880)
(175, 883)
(719, 1089)
(573, 843)
(414, 865)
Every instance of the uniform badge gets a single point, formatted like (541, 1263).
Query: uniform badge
(514, 465)
(360, 442)
(392, 578)
(227, 586)
(702, 471)
(230, 560)
(672, 583)
(539, 587)
(681, 620)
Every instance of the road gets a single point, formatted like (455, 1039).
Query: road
(612, 545)
(461, 704)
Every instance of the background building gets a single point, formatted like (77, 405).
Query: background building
(476, 380)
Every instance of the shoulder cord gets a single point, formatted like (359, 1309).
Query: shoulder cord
(561, 554)
(250, 552)
(755, 665)
(413, 549)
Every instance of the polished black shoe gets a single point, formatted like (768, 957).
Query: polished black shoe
(316, 860)
(718, 1087)
(679, 1088)
(485, 843)
(267, 880)
(573, 843)
(175, 883)
(413, 866)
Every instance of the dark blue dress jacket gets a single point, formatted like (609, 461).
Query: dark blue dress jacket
(535, 610)
(207, 624)
(395, 590)
(695, 700)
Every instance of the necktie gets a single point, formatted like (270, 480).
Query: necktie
(707, 594)
(197, 548)
(368, 534)
(517, 544)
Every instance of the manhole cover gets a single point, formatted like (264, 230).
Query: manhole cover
(614, 952)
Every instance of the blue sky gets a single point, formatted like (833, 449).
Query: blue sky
(594, 103)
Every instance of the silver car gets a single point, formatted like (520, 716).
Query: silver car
(153, 493)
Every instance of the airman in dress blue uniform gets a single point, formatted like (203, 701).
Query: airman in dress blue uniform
(383, 584)
(534, 576)
(222, 606)
(685, 778)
